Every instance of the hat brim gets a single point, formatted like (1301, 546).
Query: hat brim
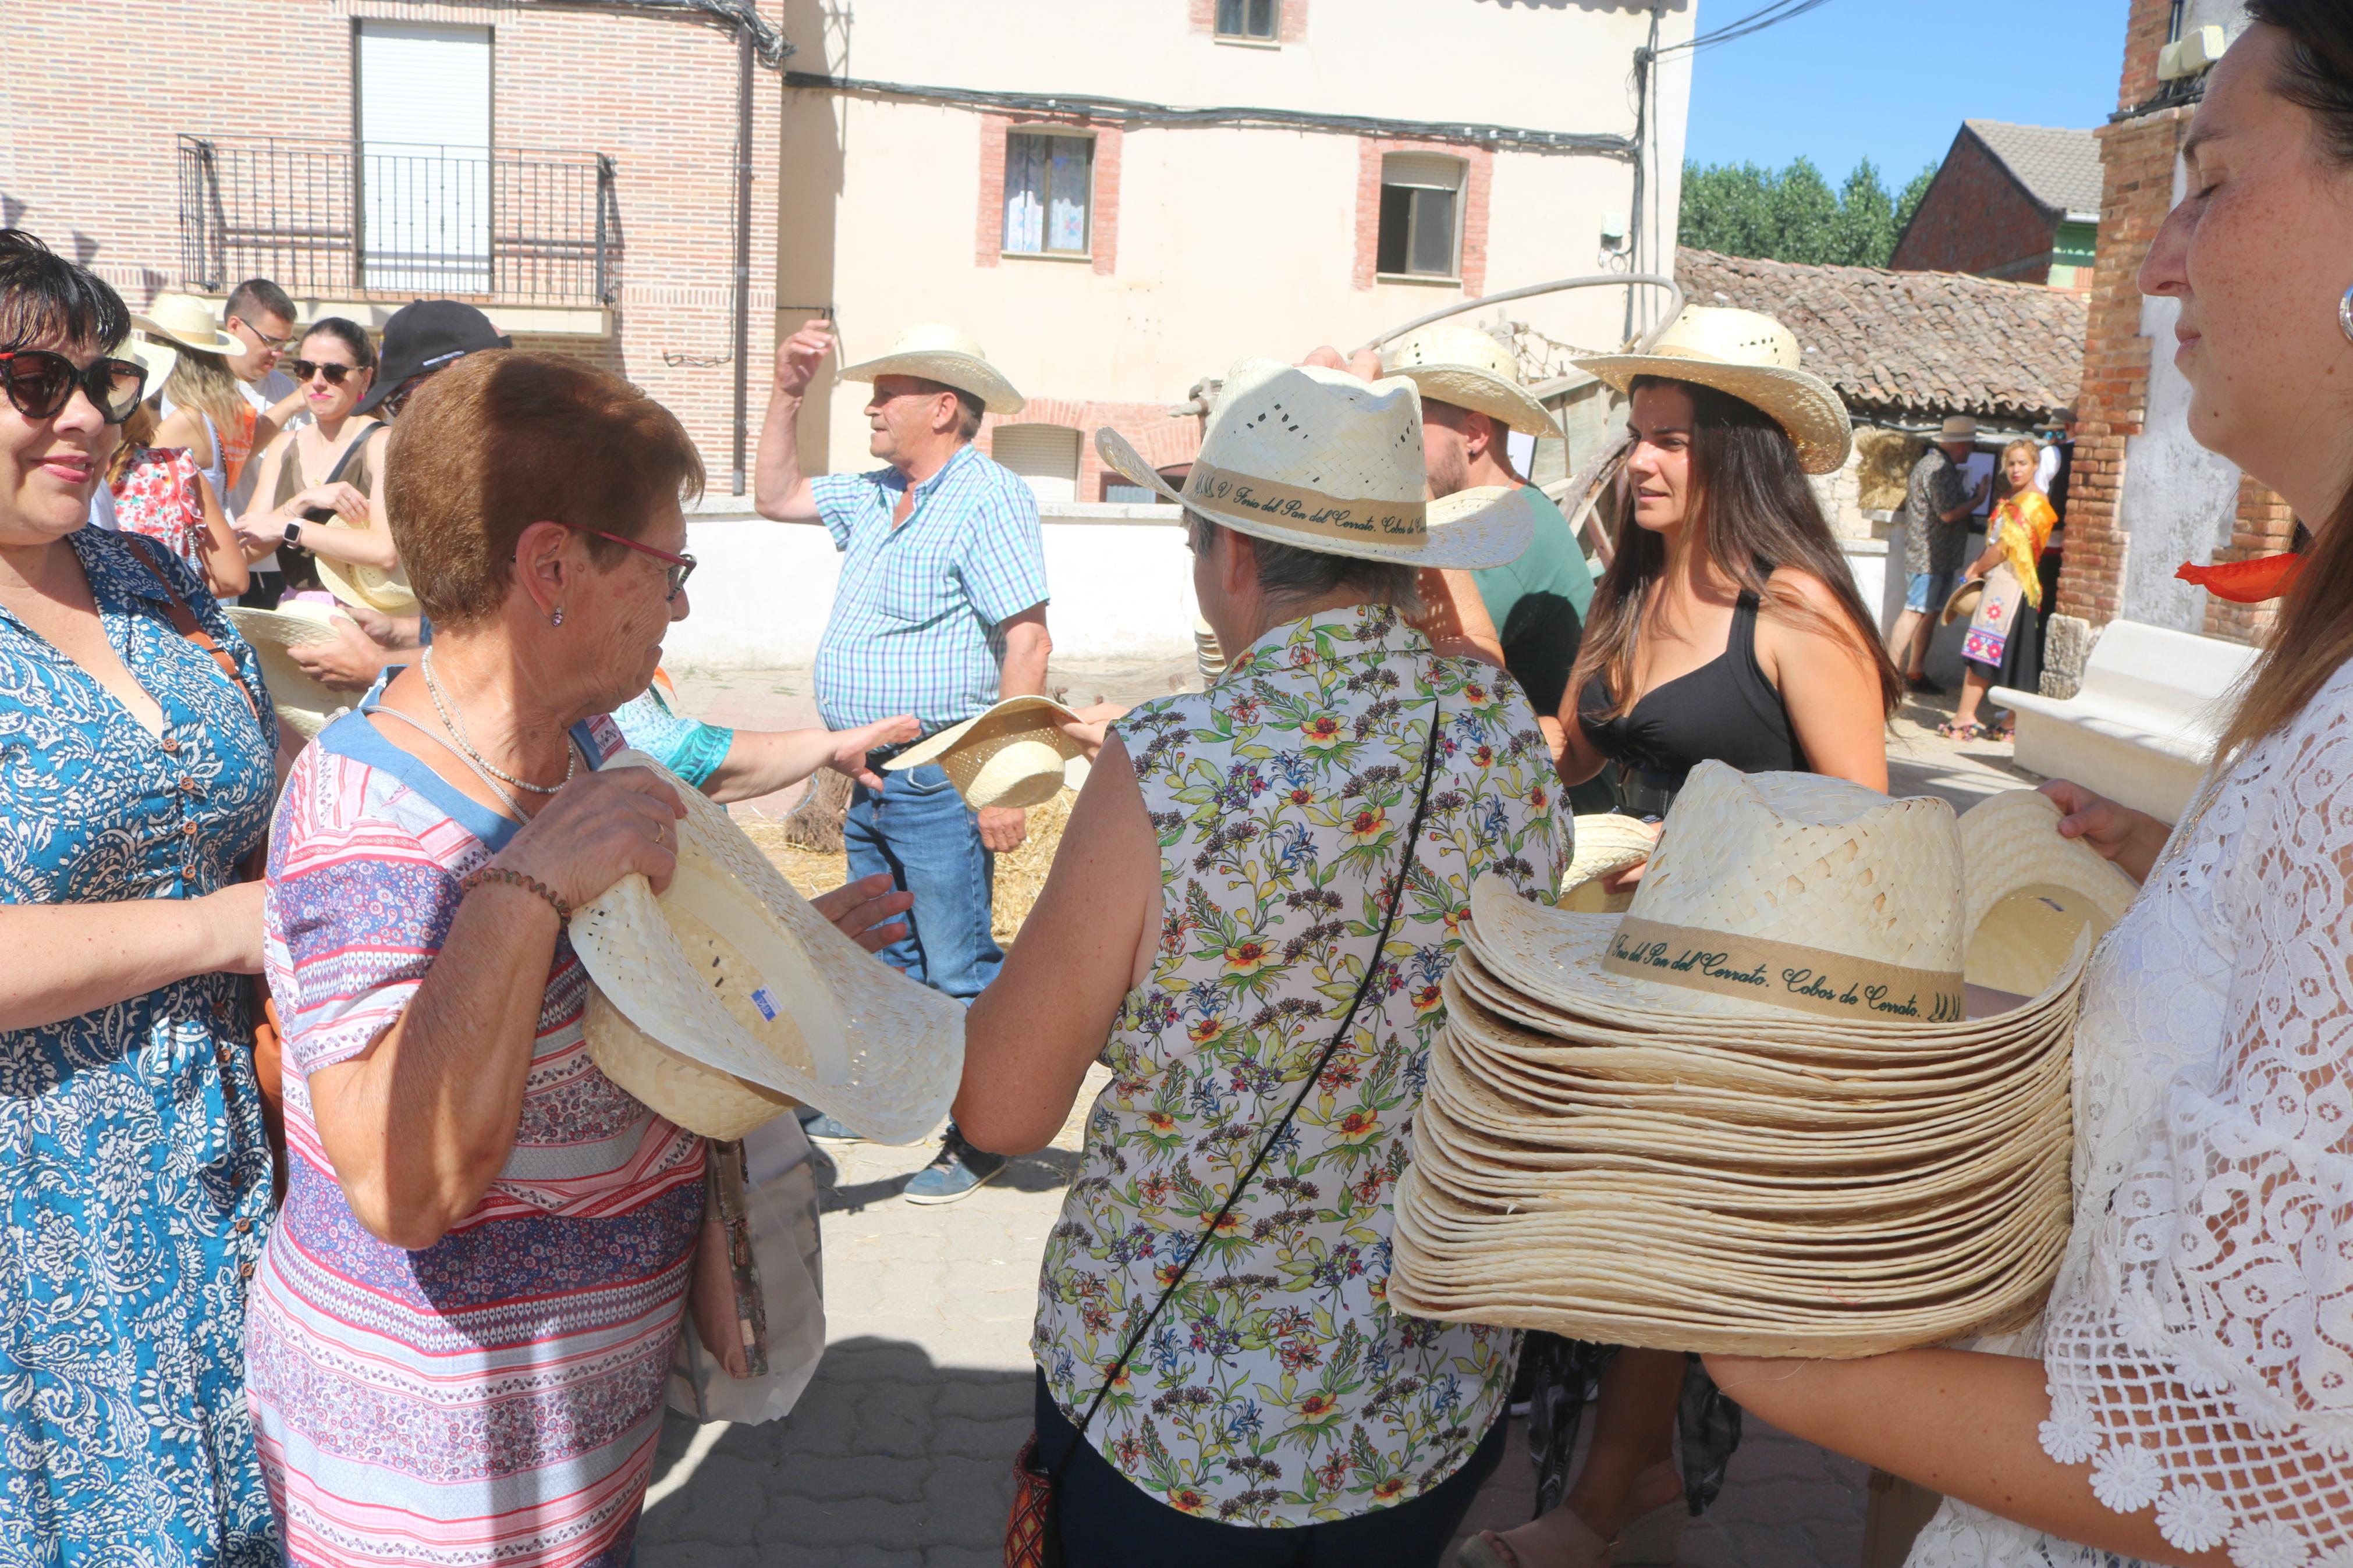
(226, 344)
(1805, 405)
(882, 1053)
(1012, 755)
(1469, 531)
(1962, 601)
(368, 587)
(1481, 391)
(158, 359)
(304, 704)
(963, 372)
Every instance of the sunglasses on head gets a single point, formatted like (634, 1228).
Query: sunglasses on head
(41, 382)
(304, 369)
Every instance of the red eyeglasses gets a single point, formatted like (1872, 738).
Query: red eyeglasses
(681, 567)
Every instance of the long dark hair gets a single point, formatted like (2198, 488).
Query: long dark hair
(1752, 513)
(2314, 634)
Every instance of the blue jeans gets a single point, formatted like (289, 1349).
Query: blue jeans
(920, 831)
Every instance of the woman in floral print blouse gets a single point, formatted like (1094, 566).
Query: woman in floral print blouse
(1219, 894)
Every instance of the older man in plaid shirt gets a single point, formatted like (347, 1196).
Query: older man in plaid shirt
(939, 611)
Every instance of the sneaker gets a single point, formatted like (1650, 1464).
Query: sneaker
(1923, 686)
(823, 1128)
(958, 1170)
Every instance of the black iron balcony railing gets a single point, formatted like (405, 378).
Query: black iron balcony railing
(324, 218)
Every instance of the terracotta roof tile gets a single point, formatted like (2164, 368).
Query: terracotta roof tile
(1911, 346)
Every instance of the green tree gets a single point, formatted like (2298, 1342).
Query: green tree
(1792, 214)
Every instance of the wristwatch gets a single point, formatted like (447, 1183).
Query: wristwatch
(294, 532)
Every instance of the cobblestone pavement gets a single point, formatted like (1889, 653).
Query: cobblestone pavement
(900, 1451)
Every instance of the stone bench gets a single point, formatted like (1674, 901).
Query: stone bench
(2142, 726)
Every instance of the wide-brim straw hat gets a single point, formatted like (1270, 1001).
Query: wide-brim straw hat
(305, 704)
(2031, 892)
(369, 587)
(942, 354)
(1468, 368)
(1748, 356)
(1319, 459)
(1963, 602)
(185, 321)
(1012, 755)
(157, 357)
(727, 997)
(1604, 844)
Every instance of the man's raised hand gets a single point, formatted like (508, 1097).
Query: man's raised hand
(798, 356)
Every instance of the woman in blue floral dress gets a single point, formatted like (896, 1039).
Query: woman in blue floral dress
(134, 776)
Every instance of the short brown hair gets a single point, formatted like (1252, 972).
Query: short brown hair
(503, 439)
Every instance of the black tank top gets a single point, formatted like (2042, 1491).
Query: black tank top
(1724, 711)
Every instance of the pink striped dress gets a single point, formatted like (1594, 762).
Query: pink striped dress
(496, 1397)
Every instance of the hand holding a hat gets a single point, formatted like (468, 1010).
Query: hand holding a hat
(1091, 726)
(2127, 839)
(597, 829)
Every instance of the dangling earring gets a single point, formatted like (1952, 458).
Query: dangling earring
(556, 620)
(2344, 314)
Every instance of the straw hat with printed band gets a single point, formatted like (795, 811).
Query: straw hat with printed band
(1752, 357)
(727, 997)
(185, 321)
(1320, 461)
(941, 353)
(1468, 368)
(304, 704)
(1013, 755)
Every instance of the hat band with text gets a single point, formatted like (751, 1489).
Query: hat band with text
(1784, 974)
(1306, 511)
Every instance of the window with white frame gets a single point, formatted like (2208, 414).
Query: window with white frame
(1257, 21)
(1421, 216)
(1045, 455)
(1050, 179)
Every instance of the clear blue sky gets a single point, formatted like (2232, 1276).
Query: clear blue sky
(1893, 79)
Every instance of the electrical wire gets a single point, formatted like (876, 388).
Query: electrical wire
(1131, 111)
(1756, 21)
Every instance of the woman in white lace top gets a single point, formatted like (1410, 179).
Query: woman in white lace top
(2187, 1397)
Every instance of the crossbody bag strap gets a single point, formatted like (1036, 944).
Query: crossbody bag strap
(185, 622)
(1307, 1086)
(359, 445)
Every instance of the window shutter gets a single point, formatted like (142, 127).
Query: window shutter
(1425, 171)
(1045, 455)
(425, 156)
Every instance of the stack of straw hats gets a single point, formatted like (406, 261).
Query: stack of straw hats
(1206, 655)
(1779, 1107)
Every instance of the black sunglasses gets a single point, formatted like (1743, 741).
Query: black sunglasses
(304, 369)
(41, 382)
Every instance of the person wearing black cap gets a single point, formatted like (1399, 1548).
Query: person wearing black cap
(423, 337)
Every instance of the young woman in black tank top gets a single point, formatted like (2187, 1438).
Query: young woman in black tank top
(1727, 627)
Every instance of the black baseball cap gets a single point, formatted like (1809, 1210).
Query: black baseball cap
(425, 336)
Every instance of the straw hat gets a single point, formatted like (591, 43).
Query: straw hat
(1012, 755)
(2031, 892)
(369, 587)
(1319, 459)
(185, 321)
(158, 359)
(1963, 602)
(304, 704)
(739, 998)
(945, 355)
(1753, 358)
(1605, 844)
(1468, 368)
(1957, 429)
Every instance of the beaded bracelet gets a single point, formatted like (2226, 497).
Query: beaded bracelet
(518, 880)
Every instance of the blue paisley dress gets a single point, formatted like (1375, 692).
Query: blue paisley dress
(138, 1175)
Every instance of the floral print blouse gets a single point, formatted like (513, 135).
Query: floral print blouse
(1278, 1389)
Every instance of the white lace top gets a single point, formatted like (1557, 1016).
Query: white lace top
(2199, 1344)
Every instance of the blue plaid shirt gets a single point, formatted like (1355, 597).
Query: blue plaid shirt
(918, 614)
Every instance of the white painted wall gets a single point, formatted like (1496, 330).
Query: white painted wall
(1230, 241)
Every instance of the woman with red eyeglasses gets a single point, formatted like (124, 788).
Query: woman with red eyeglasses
(321, 487)
(136, 748)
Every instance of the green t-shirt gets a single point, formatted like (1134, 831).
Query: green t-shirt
(1538, 604)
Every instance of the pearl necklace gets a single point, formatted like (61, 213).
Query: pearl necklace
(443, 709)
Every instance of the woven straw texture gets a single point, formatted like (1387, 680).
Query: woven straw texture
(302, 702)
(943, 354)
(1603, 845)
(1470, 369)
(1673, 1177)
(696, 970)
(1324, 434)
(1756, 359)
(369, 587)
(1012, 755)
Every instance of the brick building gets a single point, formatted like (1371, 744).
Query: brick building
(2014, 202)
(2145, 496)
(572, 169)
